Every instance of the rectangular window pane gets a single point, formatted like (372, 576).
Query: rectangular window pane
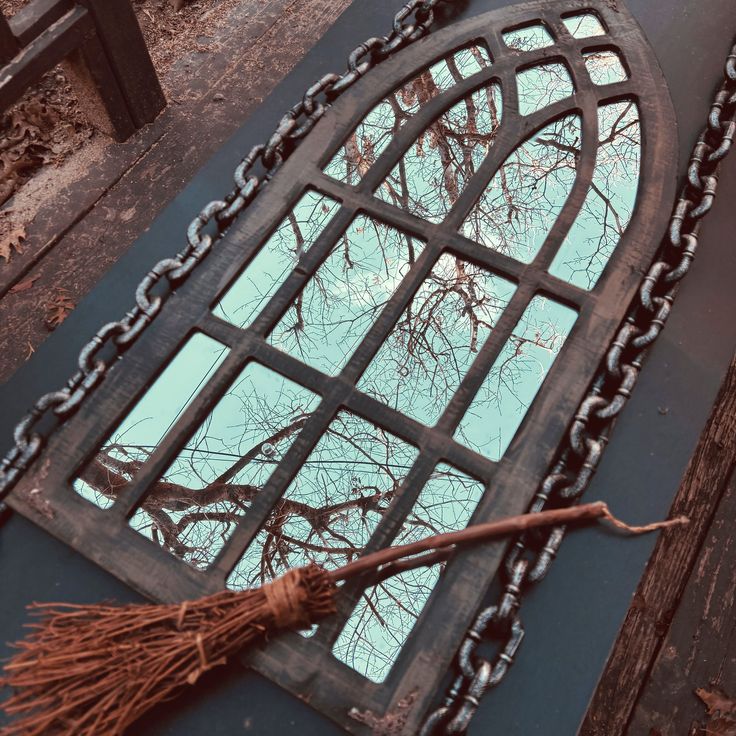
(335, 310)
(424, 359)
(334, 504)
(194, 508)
(500, 405)
(130, 445)
(250, 293)
(386, 613)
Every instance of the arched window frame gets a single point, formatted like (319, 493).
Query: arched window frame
(105, 536)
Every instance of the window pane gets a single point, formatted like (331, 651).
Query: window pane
(275, 260)
(130, 445)
(608, 207)
(343, 299)
(528, 38)
(604, 67)
(542, 86)
(334, 504)
(500, 405)
(386, 613)
(520, 205)
(421, 364)
(375, 132)
(435, 170)
(584, 25)
(194, 508)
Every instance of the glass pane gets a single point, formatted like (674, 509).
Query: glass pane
(277, 257)
(435, 170)
(609, 204)
(334, 504)
(142, 430)
(524, 198)
(528, 38)
(542, 86)
(194, 508)
(500, 405)
(386, 613)
(604, 67)
(380, 125)
(421, 364)
(584, 25)
(337, 307)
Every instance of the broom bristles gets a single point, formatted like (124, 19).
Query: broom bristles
(93, 670)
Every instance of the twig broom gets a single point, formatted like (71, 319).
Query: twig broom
(94, 670)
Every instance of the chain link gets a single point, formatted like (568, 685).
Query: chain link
(411, 22)
(531, 555)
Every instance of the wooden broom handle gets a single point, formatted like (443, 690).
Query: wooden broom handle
(441, 545)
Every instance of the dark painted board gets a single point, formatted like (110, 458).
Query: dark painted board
(572, 620)
(658, 596)
(700, 648)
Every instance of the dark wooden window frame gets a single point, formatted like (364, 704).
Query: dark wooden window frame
(306, 667)
(106, 52)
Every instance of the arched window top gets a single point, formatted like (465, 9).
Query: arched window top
(390, 344)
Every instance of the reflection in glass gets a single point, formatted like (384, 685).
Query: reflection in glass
(194, 508)
(386, 613)
(242, 302)
(500, 405)
(421, 364)
(541, 86)
(604, 67)
(380, 125)
(140, 433)
(431, 175)
(518, 208)
(528, 38)
(584, 25)
(332, 507)
(609, 204)
(337, 307)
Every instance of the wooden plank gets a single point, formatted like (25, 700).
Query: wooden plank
(661, 588)
(8, 42)
(122, 40)
(700, 648)
(42, 54)
(32, 19)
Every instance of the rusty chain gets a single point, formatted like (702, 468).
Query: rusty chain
(411, 22)
(531, 555)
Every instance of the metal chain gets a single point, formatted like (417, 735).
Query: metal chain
(411, 22)
(530, 557)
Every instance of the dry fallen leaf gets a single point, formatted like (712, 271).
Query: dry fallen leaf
(58, 309)
(24, 285)
(721, 727)
(717, 702)
(11, 241)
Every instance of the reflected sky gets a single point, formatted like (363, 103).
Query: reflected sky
(584, 25)
(437, 167)
(370, 138)
(337, 307)
(609, 204)
(421, 364)
(518, 208)
(332, 507)
(386, 613)
(501, 404)
(541, 86)
(528, 38)
(275, 260)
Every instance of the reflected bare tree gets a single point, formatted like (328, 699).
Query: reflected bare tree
(349, 480)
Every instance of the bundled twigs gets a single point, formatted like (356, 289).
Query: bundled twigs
(93, 670)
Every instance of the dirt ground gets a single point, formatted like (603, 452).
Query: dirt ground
(72, 200)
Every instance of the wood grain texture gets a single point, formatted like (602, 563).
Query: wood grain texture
(661, 589)
(699, 650)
